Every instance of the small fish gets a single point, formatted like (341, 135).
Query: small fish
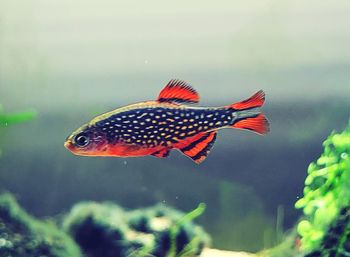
(157, 127)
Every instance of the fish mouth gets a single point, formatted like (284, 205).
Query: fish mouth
(68, 144)
(72, 148)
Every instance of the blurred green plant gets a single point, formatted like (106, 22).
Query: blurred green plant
(326, 199)
(285, 249)
(23, 235)
(191, 248)
(14, 118)
(105, 229)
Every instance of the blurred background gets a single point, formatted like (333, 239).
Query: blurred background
(72, 60)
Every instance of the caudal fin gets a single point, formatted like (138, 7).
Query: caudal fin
(249, 116)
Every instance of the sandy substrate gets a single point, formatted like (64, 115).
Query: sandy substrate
(218, 253)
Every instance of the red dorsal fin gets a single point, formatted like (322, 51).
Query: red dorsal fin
(257, 100)
(198, 147)
(178, 91)
(162, 153)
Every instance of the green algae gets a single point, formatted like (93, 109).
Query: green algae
(101, 229)
(287, 248)
(105, 229)
(14, 118)
(23, 235)
(192, 248)
(325, 229)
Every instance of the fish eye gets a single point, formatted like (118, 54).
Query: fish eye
(81, 140)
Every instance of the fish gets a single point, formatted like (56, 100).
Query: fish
(169, 123)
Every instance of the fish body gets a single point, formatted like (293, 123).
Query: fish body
(157, 127)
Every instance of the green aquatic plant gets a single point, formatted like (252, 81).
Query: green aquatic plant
(14, 118)
(23, 235)
(193, 246)
(327, 199)
(336, 242)
(286, 247)
(105, 229)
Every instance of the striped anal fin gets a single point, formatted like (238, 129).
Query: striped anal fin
(198, 148)
(162, 153)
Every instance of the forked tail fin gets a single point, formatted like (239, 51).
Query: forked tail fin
(248, 115)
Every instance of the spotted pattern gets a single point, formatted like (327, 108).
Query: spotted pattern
(156, 126)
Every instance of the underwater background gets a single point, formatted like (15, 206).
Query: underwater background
(69, 61)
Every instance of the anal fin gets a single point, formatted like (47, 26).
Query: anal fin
(162, 153)
(199, 147)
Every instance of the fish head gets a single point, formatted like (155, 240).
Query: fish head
(86, 140)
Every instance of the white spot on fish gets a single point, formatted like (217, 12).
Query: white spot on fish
(142, 115)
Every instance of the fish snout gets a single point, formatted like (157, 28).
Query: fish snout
(68, 144)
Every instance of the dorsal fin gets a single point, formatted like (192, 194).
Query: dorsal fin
(178, 91)
(199, 147)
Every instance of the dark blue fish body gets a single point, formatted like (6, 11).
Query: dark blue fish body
(156, 127)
